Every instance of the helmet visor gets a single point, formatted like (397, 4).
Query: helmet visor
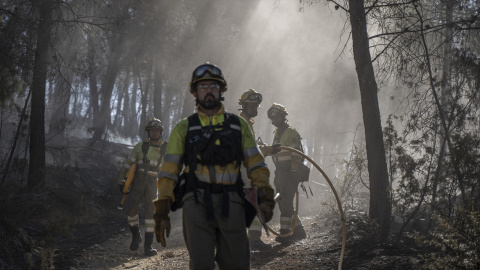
(254, 97)
(202, 70)
(155, 124)
(274, 111)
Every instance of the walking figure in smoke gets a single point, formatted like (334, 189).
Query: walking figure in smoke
(147, 156)
(210, 146)
(286, 172)
(250, 102)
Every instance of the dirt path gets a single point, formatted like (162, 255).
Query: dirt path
(115, 254)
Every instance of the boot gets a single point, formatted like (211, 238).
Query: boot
(149, 250)
(298, 233)
(284, 240)
(136, 238)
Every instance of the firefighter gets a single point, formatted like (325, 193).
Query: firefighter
(148, 157)
(286, 177)
(250, 102)
(210, 147)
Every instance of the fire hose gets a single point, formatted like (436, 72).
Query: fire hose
(339, 204)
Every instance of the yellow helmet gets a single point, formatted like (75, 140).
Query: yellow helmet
(276, 109)
(154, 123)
(250, 96)
(208, 71)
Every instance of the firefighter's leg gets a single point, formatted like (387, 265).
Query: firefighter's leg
(135, 197)
(232, 240)
(150, 195)
(255, 234)
(285, 204)
(199, 234)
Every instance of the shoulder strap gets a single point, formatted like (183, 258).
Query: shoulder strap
(145, 146)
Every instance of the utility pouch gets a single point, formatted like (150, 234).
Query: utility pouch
(303, 173)
(178, 192)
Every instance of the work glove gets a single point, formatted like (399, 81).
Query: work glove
(266, 202)
(162, 220)
(121, 184)
(276, 148)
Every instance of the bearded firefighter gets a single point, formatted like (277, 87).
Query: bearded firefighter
(205, 152)
(147, 156)
(286, 178)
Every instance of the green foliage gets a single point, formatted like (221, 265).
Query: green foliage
(457, 240)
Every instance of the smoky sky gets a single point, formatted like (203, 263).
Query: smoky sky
(301, 60)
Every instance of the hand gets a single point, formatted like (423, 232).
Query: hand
(267, 209)
(266, 202)
(276, 148)
(162, 220)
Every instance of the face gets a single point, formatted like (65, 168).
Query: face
(277, 120)
(251, 109)
(154, 134)
(208, 94)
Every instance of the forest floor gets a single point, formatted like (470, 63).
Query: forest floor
(320, 250)
(76, 225)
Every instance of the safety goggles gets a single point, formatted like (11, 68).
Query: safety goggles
(205, 86)
(256, 97)
(155, 124)
(274, 111)
(203, 69)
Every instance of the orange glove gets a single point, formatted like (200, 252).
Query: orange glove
(162, 220)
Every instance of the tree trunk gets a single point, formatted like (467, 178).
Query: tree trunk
(380, 205)
(61, 96)
(144, 91)
(36, 169)
(108, 81)
(92, 80)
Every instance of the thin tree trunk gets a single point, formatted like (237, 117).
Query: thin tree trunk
(144, 90)
(445, 88)
(92, 80)
(380, 205)
(101, 123)
(36, 170)
(15, 140)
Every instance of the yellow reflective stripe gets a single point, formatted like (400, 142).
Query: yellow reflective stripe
(285, 222)
(284, 158)
(149, 225)
(221, 178)
(256, 166)
(251, 152)
(173, 158)
(132, 221)
(168, 175)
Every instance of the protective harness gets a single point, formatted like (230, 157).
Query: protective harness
(211, 145)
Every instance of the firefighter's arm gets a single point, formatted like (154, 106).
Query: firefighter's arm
(172, 162)
(257, 170)
(293, 140)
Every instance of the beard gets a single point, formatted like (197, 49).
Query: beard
(252, 114)
(209, 104)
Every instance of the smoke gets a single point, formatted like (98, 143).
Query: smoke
(302, 60)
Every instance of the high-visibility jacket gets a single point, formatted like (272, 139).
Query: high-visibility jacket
(154, 159)
(265, 149)
(250, 122)
(289, 137)
(253, 160)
